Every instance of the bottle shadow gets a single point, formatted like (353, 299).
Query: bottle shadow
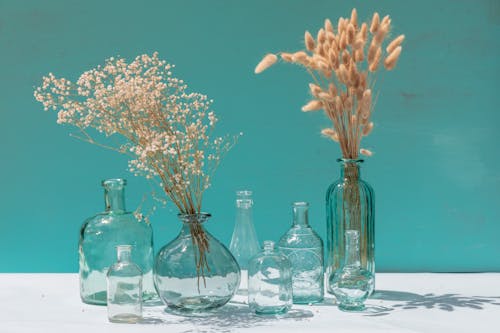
(236, 315)
(410, 301)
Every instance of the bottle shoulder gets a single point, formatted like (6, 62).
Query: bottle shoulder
(300, 237)
(109, 221)
(127, 269)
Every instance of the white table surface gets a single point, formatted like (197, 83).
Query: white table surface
(403, 303)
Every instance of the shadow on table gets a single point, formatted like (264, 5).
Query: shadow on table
(409, 301)
(236, 315)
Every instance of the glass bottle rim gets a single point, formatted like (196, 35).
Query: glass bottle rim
(194, 218)
(304, 204)
(350, 160)
(111, 182)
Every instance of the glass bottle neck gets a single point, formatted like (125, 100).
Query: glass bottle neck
(352, 256)
(123, 254)
(114, 200)
(268, 247)
(350, 169)
(300, 214)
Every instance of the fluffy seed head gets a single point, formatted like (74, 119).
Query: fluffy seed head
(309, 41)
(265, 63)
(392, 59)
(328, 26)
(395, 43)
(313, 105)
(365, 152)
(375, 23)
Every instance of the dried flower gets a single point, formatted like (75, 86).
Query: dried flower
(395, 43)
(265, 63)
(392, 59)
(365, 152)
(164, 128)
(339, 64)
(313, 105)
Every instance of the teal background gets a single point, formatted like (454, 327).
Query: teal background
(436, 165)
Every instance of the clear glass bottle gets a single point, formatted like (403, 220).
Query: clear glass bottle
(350, 205)
(244, 243)
(124, 288)
(269, 281)
(180, 283)
(304, 248)
(99, 236)
(352, 284)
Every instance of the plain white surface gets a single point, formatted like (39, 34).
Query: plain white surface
(403, 303)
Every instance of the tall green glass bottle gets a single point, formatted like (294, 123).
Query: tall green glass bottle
(350, 205)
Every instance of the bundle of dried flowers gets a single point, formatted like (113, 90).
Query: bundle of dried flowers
(341, 61)
(167, 130)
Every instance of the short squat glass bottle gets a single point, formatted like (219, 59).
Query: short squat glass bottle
(352, 283)
(124, 288)
(304, 248)
(244, 243)
(269, 281)
(99, 236)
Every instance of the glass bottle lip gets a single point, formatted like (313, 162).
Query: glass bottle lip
(114, 183)
(194, 218)
(300, 204)
(350, 160)
(268, 245)
(244, 194)
(124, 248)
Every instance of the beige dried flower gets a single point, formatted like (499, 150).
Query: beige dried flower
(328, 26)
(367, 129)
(365, 152)
(313, 105)
(354, 18)
(266, 62)
(310, 44)
(395, 43)
(375, 23)
(315, 89)
(339, 63)
(288, 57)
(330, 133)
(373, 66)
(392, 59)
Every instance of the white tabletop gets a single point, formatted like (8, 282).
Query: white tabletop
(403, 303)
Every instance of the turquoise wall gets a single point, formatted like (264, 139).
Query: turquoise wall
(436, 165)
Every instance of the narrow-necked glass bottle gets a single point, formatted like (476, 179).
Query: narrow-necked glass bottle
(350, 205)
(269, 281)
(304, 248)
(99, 237)
(244, 243)
(124, 288)
(352, 284)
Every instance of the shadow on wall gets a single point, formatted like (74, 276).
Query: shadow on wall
(410, 301)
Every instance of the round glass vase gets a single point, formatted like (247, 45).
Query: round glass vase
(188, 285)
(350, 205)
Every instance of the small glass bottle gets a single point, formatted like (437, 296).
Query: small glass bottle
(269, 281)
(244, 243)
(304, 248)
(352, 284)
(124, 292)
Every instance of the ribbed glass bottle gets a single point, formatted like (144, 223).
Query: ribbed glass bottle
(99, 236)
(350, 205)
(304, 248)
